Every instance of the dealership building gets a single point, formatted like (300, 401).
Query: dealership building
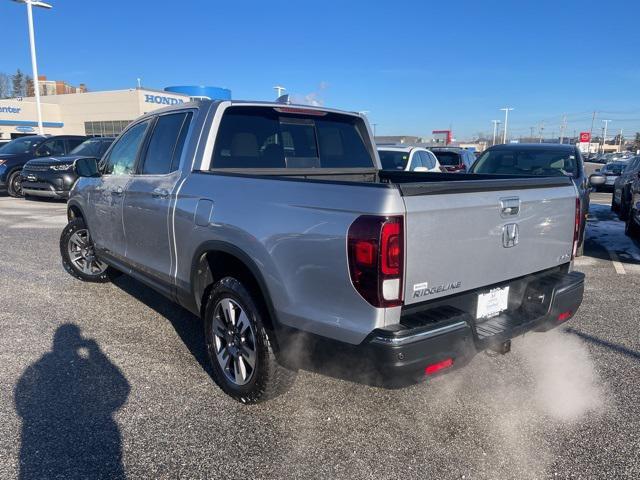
(104, 113)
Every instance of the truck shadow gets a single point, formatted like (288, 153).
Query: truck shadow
(67, 400)
(187, 325)
(304, 355)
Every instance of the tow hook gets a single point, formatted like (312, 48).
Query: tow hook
(502, 348)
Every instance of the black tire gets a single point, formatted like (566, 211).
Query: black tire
(76, 228)
(267, 378)
(14, 184)
(631, 228)
(623, 209)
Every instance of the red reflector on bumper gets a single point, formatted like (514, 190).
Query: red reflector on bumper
(436, 367)
(565, 316)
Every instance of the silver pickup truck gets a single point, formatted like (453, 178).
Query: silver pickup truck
(275, 224)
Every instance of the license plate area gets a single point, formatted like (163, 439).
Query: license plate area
(492, 303)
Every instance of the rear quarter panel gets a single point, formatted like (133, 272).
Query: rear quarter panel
(295, 233)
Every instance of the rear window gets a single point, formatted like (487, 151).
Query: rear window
(448, 159)
(393, 160)
(527, 162)
(258, 137)
(614, 168)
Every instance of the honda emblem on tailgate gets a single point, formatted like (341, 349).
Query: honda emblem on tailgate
(510, 235)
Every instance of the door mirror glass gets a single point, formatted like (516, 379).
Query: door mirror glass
(597, 179)
(86, 167)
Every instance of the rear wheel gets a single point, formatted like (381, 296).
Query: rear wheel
(78, 254)
(239, 346)
(14, 184)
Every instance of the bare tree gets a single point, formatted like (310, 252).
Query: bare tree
(4, 85)
(29, 89)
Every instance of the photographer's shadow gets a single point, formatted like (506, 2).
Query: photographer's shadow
(67, 400)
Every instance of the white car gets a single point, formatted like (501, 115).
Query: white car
(408, 159)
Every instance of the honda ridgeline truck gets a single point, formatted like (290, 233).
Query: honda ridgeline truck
(276, 225)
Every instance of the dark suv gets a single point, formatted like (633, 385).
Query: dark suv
(622, 188)
(16, 153)
(454, 159)
(53, 177)
(544, 159)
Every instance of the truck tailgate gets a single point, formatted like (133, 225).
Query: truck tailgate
(476, 233)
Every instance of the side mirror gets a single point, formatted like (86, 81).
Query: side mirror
(597, 179)
(43, 152)
(421, 169)
(86, 167)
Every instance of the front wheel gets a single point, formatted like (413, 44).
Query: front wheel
(14, 184)
(239, 346)
(78, 254)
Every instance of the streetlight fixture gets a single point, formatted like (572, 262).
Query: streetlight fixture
(506, 122)
(32, 43)
(279, 89)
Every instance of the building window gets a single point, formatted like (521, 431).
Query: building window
(105, 128)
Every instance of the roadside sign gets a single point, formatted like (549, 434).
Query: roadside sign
(25, 129)
(585, 137)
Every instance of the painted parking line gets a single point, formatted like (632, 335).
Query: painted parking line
(616, 263)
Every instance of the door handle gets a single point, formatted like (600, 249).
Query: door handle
(117, 190)
(160, 193)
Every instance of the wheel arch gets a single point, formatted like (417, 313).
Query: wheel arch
(214, 260)
(74, 211)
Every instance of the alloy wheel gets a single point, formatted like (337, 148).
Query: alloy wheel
(234, 341)
(82, 254)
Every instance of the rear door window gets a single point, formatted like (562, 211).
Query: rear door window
(427, 161)
(258, 137)
(165, 145)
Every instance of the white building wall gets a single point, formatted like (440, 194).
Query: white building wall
(67, 114)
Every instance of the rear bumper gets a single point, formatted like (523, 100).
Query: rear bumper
(399, 356)
(460, 337)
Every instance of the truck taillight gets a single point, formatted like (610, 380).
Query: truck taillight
(576, 229)
(375, 246)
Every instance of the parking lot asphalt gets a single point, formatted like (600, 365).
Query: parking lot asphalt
(110, 381)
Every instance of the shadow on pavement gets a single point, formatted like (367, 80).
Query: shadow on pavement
(187, 326)
(603, 343)
(67, 400)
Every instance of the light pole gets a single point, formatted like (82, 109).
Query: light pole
(495, 130)
(506, 123)
(604, 135)
(32, 43)
(279, 89)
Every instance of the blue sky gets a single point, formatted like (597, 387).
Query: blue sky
(414, 65)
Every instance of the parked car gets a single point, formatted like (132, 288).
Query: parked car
(611, 171)
(16, 153)
(632, 223)
(454, 159)
(277, 226)
(621, 201)
(408, 159)
(53, 177)
(543, 159)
